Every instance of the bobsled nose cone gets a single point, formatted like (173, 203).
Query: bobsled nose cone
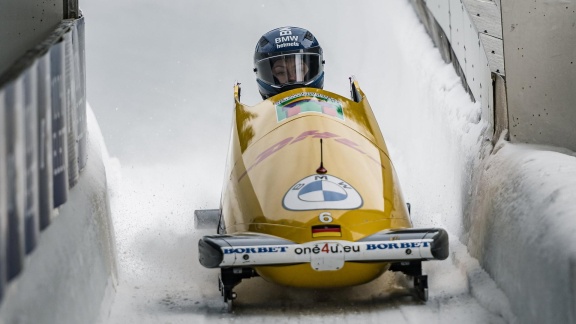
(440, 248)
(209, 253)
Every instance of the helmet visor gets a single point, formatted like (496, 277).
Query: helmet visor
(289, 68)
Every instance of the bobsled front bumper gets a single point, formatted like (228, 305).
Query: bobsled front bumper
(252, 249)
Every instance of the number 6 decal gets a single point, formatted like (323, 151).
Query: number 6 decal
(325, 217)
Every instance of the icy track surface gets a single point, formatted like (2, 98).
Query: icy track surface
(160, 78)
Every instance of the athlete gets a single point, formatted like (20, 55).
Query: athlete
(287, 58)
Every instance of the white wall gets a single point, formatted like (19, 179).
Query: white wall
(530, 44)
(522, 229)
(540, 55)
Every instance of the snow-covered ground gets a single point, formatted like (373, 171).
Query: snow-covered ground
(160, 79)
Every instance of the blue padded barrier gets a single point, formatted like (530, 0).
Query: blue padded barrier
(44, 125)
(16, 170)
(3, 197)
(31, 217)
(59, 120)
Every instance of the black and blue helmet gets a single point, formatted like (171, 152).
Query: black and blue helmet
(287, 58)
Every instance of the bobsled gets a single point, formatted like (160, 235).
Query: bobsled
(311, 198)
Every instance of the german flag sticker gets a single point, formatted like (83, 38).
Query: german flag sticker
(326, 230)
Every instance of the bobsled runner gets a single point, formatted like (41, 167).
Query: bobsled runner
(311, 198)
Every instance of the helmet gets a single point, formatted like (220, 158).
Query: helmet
(287, 58)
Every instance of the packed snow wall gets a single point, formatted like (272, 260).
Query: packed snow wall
(518, 217)
(56, 243)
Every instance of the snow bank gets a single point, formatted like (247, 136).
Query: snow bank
(522, 230)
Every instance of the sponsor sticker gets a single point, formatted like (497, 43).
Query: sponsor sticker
(255, 249)
(321, 192)
(327, 248)
(327, 255)
(308, 102)
(286, 39)
(396, 246)
(285, 31)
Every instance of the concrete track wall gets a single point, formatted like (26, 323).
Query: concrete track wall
(540, 54)
(24, 24)
(530, 46)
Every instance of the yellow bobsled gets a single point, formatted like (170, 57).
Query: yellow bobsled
(311, 198)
